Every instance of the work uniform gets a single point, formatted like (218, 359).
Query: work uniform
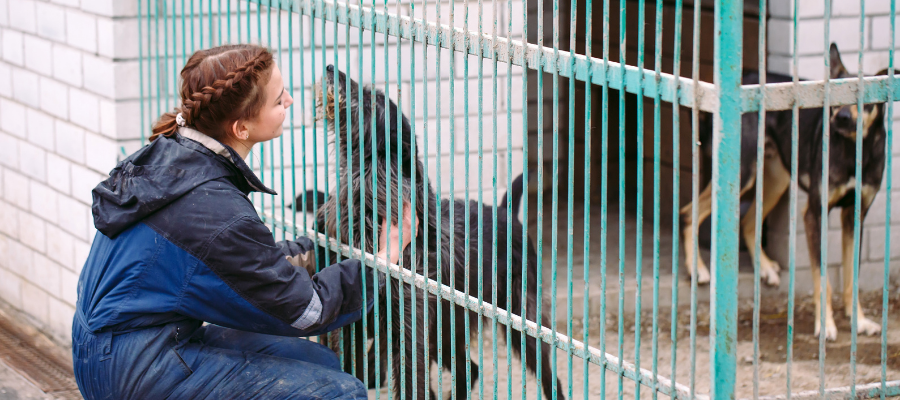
(180, 244)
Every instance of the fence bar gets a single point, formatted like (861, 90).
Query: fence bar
(570, 237)
(810, 94)
(527, 327)
(657, 148)
(525, 181)
(639, 217)
(758, 212)
(695, 193)
(438, 114)
(857, 206)
(531, 56)
(792, 228)
(621, 141)
(869, 391)
(676, 185)
(889, 147)
(604, 186)
(509, 214)
(725, 214)
(554, 199)
(823, 198)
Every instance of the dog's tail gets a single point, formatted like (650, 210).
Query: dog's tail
(518, 188)
(314, 199)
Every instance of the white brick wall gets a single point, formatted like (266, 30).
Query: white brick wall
(62, 63)
(845, 31)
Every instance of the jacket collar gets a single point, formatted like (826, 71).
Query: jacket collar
(229, 154)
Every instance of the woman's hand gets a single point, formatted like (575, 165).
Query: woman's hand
(387, 243)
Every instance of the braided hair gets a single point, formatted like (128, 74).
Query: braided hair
(219, 86)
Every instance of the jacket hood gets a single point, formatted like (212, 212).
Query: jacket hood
(160, 173)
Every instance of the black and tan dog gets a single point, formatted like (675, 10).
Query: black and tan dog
(375, 156)
(776, 180)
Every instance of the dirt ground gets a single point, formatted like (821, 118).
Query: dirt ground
(772, 354)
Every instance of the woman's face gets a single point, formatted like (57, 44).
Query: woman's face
(268, 123)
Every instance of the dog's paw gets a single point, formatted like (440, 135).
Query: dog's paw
(770, 276)
(866, 326)
(702, 274)
(830, 329)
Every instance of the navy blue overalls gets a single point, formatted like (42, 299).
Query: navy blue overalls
(180, 244)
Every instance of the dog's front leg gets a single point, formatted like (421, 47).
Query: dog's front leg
(813, 241)
(864, 325)
(704, 208)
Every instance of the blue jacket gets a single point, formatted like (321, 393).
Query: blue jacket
(179, 240)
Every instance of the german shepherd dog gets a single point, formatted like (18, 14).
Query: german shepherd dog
(776, 180)
(369, 153)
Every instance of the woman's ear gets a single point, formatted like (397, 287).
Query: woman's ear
(239, 130)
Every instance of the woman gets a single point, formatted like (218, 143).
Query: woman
(180, 244)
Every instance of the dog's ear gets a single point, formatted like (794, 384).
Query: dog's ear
(837, 66)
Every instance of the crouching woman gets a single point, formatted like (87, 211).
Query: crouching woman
(180, 244)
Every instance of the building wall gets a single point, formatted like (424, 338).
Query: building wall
(67, 101)
(811, 50)
(71, 81)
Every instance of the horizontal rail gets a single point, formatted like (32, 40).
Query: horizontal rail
(869, 391)
(520, 54)
(487, 310)
(810, 94)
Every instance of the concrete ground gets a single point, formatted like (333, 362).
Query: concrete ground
(15, 387)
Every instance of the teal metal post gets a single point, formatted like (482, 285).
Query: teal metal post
(726, 175)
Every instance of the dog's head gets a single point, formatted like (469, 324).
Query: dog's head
(844, 118)
(364, 112)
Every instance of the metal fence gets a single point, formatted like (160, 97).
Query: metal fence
(310, 34)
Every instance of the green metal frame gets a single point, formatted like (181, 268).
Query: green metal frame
(725, 98)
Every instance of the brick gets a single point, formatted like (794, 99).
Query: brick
(4, 12)
(73, 3)
(22, 15)
(101, 153)
(874, 237)
(851, 7)
(11, 288)
(84, 108)
(61, 246)
(881, 27)
(81, 30)
(9, 221)
(33, 161)
(38, 55)
(13, 48)
(83, 182)
(108, 118)
(54, 98)
(67, 65)
(115, 8)
(32, 231)
(60, 321)
(70, 141)
(71, 216)
(15, 189)
(20, 257)
(34, 301)
(59, 173)
(126, 114)
(4, 245)
(127, 80)
(99, 76)
(45, 273)
(51, 22)
(25, 85)
(12, 118)
(68, 286)
(5, 80)
(40, 129)
(44, 201)
(105, 38)
(9, 151)
(805, 9)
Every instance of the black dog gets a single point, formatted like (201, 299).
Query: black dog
(368, 159)
(776, 180)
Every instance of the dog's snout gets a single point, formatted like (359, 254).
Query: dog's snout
(844, 115)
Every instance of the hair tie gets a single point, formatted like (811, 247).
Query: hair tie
(179, 119)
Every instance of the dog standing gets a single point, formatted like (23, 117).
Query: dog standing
(368, 161)
(776, 181)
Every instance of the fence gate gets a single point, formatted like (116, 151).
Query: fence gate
(466, 74)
